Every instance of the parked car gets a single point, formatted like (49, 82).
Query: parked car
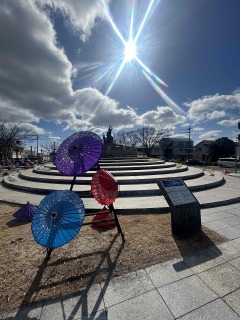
(22, 162)
(18, 163)
(195, 162)
(28, 161)
(227, 162)
(173, 160)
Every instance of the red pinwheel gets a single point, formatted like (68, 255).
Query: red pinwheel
(104, 187)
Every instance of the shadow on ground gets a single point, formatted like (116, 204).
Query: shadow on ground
(82, 302)
(188, 245)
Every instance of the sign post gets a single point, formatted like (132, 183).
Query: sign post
(184, 207)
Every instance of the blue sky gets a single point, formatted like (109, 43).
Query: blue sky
(59, 60)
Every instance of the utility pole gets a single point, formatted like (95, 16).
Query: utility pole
(236, 155)
(189, 141)
(37, 145)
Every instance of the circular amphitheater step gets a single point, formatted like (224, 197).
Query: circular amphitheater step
(185, 174)
(137, 179)
(138, 189)
(225, 194)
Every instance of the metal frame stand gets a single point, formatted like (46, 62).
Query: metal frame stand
(111, 209)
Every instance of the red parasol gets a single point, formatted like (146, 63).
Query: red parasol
(103, 214)
(104, 187)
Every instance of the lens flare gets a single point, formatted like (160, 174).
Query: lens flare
(153, 75)
(130, 51)
(164, 96)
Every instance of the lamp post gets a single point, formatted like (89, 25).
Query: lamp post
(36, 138)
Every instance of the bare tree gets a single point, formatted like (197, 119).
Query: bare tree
(145, 137)
(126, 138)
(12, 134)
(120, 138)
(51, 147)
(148, 137)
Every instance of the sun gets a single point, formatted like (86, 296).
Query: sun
(130, 51)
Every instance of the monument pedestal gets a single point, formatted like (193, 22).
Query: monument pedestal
(114, 150)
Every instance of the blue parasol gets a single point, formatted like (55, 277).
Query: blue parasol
(79, 153)
(58, 219)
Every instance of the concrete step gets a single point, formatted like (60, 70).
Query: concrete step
(40, 176)
(119, 159)
(223, 195)
(203, 182)
(127, 167)
(123, 172)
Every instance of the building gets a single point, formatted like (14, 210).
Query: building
(7, 154)
(180, 149)
(202, 150)
(237, 149)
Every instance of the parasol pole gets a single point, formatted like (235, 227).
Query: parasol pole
(73, 181)
(49, 251)
(112, 209)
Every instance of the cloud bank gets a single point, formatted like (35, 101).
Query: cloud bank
(36, 75)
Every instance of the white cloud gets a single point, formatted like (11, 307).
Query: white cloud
(198, 129)
(163, 117)
(33, 128)
(35, 77)
(80, 15)
(212, 107)
(229, 123)
(54, 138)
(215, 115)
(212, 134)
(179, 136)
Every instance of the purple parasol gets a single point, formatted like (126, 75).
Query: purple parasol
(25, 212)
(78, 153)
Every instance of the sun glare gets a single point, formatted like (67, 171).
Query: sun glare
(130, 51)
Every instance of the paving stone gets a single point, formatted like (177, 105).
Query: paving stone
(216, 216)
(167, 272)
(148, 306)
(235, 220)
(210, 210)
(125, 287)
(186, 295)
(229, 249)
(216, 224)
(235, 211)
(203, 260)
(215, 310)
(101, 315)
(230, 232)
(235, 263)
(75, 306)
(223, 279)
(30, 312)
(232, 300)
